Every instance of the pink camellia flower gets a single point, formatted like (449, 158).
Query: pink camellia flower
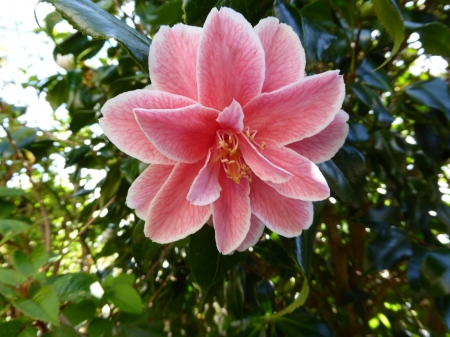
(232, 128)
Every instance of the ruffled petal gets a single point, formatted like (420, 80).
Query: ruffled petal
(282, 215)
(170, 216)
(230, 62)
(231, 214)
(296, 111)
(184, 135)
(324, 145)
(253, 235)
(206, 188)
(173, 60)
(260, 165)
(145, 187)
(120, 126)
(284, 54)
(307, 184)
(232, 117)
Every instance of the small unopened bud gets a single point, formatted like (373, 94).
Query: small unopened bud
(65, 61)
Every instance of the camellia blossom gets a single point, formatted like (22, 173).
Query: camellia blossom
(232, 128)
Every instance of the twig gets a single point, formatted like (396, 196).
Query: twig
(29, 170)
(160, 288)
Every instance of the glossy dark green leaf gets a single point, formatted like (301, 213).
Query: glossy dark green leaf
(348, 9)
(81, 311)
(372, 100)
(300, 324)
(339, 185)
(24, 137)
(11, 192)
(44, 306)
(443, 307)
(389, 15)
(391, 152)
(433, 93)
(196, 11)
(435, 272)
(22, 263)
(11, 328)
(415, 265)
(207, 265)
(443, 214)
(76, 154)
(125, 298)
(265, 295)
(234, 293)
(390, 246)
(379, 218)
(99, 326)
(434, 36)
(358, 133)
(51, 20)
(315, 39)
(80, 46)
(300, 248)
(144, 250)
(169, 13)
(377, 79)
(92, 20)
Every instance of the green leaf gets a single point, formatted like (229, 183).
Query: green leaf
(301, 324)
(11, 277)
(300, 248)
(435, 272)
(79, 312)
(380, 218)
(144, 250)
(315, 39)
(338, 183)
(80, 46)
(39, 257)
(29, 331)
(125, 297)
(169, 13)
(99, 326)
(434, 36)
(372, 100)
(51, 20)
(443, 214)
(22, 263)
(391, 152)
(433, 93)
(358, 133)
(10, 228)
(443, 308)
(391, 19)
(207, 265)
(11, 192)
(10, 329)
(44, 306)
(74, 287)
(92, 20)
(378, 79)
(64, 331)
(388, 248)
(6, 209)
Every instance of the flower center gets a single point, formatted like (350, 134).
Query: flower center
(229, 154)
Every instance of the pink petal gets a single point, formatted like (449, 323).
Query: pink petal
(145, 187)
(282, 215)
(307, 183)
(120, 126)
(170, 216)
(183, 135)
(297, 111)
(285, 56)
(231, 213)
(253, 235)
(206, 188)
(260, 165)
(230, 62)
(173, 59)
(324, 145)
(232, 117)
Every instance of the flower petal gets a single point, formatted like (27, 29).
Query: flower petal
(120, 126)
(206, 188)
(282, 215)
(173, 60)
(284, 53)
(296, 111)
(324, 145)
(145, 187)
(260, 165)
(232, 117)
(307, 183)
(230, 62)
(253, 235)
(231, 214)
(170, 216)
(183, 135)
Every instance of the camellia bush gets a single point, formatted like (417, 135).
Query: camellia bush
(255, 126)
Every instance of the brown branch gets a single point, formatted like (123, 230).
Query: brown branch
(160, 288)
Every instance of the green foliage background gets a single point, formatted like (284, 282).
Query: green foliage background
(376, 261)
